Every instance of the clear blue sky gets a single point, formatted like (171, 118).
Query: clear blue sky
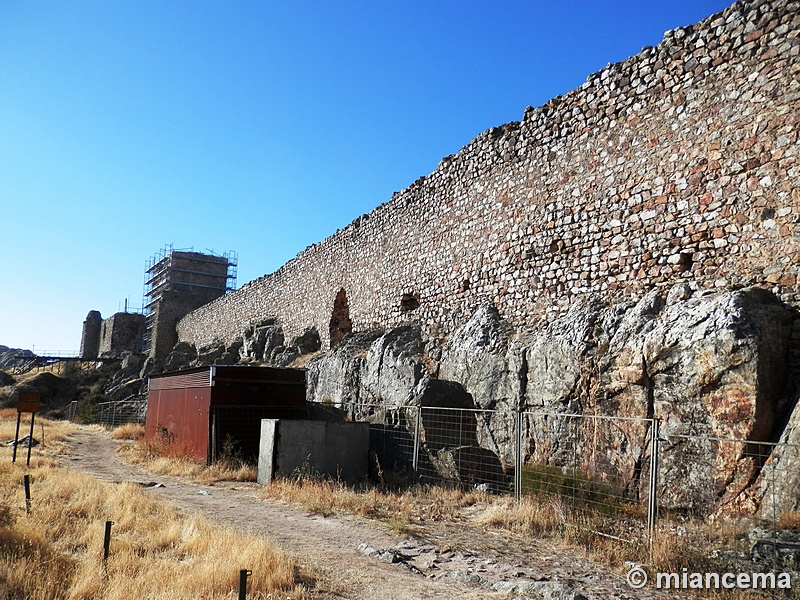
(259, 127)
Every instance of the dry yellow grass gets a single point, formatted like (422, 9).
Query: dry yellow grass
(535, 515)
(529, 516)
(128, 431)
(789, 520)
(157, 552)
(400, 509)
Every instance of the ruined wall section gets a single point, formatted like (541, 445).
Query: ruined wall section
(679, 164)
(121, 332)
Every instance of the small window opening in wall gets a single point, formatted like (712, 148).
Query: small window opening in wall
(340, 324)
(409, 302)
(685, 260)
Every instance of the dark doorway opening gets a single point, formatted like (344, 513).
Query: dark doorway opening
(340, 318)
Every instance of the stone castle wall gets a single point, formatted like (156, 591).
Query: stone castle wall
(679, 164)
(121, 332)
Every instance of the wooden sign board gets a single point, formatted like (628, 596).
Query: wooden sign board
(29, 402)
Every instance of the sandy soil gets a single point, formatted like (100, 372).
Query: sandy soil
(351, 557)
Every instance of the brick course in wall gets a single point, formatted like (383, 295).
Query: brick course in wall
(679, 164)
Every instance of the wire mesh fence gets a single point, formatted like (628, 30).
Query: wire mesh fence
(236, 429)
(741, 496)
(113, 414)
(393, 432)
(611, 475)
(598, 467)
(458, 447)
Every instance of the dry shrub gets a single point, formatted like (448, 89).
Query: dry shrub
(789, 520)
(128, 431)
(530, 515)
(165, 458)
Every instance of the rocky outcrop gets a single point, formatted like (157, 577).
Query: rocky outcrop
(259, 341)
(265, 343)
(393, 368)
(777, 491)
(54, 391)
(336, 377)
(709, 365)
(10, 357)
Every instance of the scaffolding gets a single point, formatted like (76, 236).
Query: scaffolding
(198, 276)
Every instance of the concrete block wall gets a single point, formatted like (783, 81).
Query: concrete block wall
(679, 164)
(316, 448)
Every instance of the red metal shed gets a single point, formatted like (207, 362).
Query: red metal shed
(207, 410)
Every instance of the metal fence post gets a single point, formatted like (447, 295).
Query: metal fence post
(417, 427)
(518, 457)
(652, 495)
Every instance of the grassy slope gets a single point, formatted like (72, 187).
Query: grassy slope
(156, 551)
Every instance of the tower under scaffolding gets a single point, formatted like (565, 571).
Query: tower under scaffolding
(178, 282)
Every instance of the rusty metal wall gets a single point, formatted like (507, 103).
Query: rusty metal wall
(204, 411)
(180, 417)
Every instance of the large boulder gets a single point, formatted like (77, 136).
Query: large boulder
(708, 365)
(393, 367)
(335, 378)
(259, 341)
(712, 365)
(479, 356)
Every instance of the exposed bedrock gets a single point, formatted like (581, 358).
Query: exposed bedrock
(711, 365)
(707, 364)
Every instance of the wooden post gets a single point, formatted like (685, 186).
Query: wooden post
(243, 573)
(30, 440)
(107, 540)
(26, 482)
(16, 439)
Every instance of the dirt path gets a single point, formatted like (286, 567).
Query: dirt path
(360, 559)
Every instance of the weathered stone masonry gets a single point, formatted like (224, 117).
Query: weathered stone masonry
(679, 164)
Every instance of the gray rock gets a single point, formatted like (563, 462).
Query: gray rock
(283, 357)
(209, 355)
(547, 590)
(335, 378)
(708, 364)
(259, 341)
(231, 354)
(307, 342)
(182, 355)
(393, 367)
